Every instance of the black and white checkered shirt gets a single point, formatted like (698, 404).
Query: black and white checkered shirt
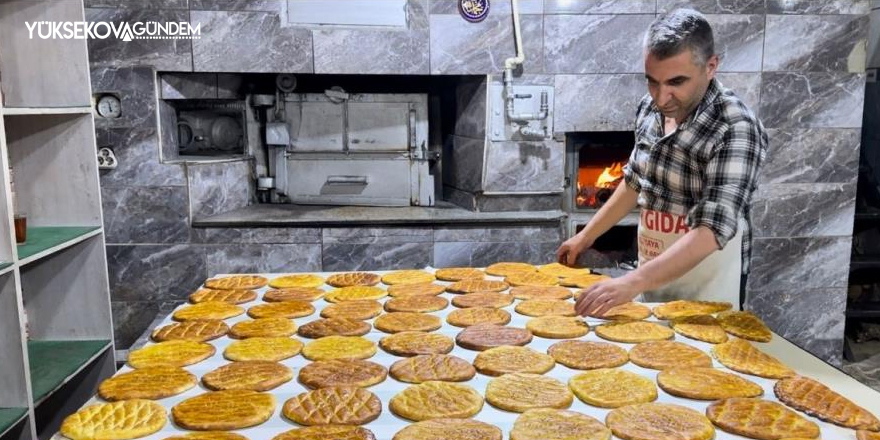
(706, 169)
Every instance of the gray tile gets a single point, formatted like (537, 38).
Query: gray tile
(257, 235)
(600, 6)
(163, 54)
(462, 47)
(612, 102)
(746, 86)
(739, 41)
(154, 272)
(275, 6)
(144, 4)
(470, 102)
(463, 199)
(812, 99)
(376, 256)
(168, 135)
(495, 6)
(130, 320)
(817, 7)
(219, 187)
(816, 43)
(803, 209)
(807, 155)
(526, 79)
(154, 215)
(509, 203)
(135, 87)
(714, 6)
(786, 263)
(525, 166)
(257, 258)
(188, 85)
(137, 155)
(368, 235)
(228, 43)
(466, 164)
(452, 254)
(593, 43)
(498, 234)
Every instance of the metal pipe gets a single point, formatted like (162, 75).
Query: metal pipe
(507, 78)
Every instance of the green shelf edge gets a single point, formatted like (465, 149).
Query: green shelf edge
(40, 238)
(10, 416)
(5, 264)
(53, 362)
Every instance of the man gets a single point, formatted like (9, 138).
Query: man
(692, 172)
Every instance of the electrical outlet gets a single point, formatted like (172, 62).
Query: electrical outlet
(106, 159)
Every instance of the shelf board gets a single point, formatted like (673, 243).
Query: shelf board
(5, 266)
(10, 417)
(53, 363)
(17, 111)
(46, 240)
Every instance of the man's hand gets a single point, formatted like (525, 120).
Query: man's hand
(600, 297)
(569, 250)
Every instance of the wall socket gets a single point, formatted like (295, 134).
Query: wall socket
(106, 159)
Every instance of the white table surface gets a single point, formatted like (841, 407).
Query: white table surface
(388, 424)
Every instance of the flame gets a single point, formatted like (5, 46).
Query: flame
(610, 176)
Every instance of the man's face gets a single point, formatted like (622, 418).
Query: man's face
(677, 84)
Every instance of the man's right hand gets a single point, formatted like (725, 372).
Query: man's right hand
(568, 252)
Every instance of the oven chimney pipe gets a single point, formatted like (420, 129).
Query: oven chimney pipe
(509, 95)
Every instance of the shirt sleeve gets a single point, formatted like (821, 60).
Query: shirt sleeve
(630, 176)
(730, 178)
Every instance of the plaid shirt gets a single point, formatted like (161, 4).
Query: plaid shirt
(706, 169)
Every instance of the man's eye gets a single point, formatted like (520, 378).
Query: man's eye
(676, 82)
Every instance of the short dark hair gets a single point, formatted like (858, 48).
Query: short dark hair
(670, 34)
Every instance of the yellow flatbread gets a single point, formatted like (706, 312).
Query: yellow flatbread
(117, 420)
(296, 280)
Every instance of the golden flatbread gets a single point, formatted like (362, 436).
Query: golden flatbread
(207, 310)
(224, 410)
(248, 375)
(333, 405)
(520, 392)
(587, 355)
(361, 310)
(116, 420)
(531, 279)
(680, 308)
(545, 307)
(540, 292)
(583, 281)
(485, 336)
(396, 322)
(263, 328)
(334, 326)
(342, 373)
(807, 395)
(297, 280)
(745, 325)
(634, 331)
(355, 293)
(339, 347)
(416, 303)
(612, 388)
(557, 424)
(863, 434)
(495, 300)
(737, 416)
(562, 271)
(459, 273)
(477, 315)
(287, 309)
(402, 290)
(147, 383)
(449, 429)
(659, 421)
(659, 355)
(263, 349)
(294, 294)
(706, 383)
(327, 432)
(177, 353)
(237, 282)
(229, 296)
(625, 312)
(425, 367)
(471, 286)
(700, 327)
(353, 279)
(435, 399)
(512, 359)
(506, 269)
(408, 277)
(416, 343)
(199, 331)
(558, 327)
(740, 355)
(208, 435)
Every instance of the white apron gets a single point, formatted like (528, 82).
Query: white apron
(716, 278)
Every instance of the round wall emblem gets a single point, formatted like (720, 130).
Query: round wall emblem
(473, 10)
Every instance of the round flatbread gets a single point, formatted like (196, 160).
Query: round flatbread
(287, 309)
(435, 399)
(612, 388)
(562, 271)
(734, 415)
(495, 300)
(740, 355)
(297, 280)
(416, 343)
(506, 269)
(325, 432)
(700, 327)
(680, 308)
(531, 279)
(540, 292)
(810, 396)
(294, 294)
(449, 429)
(342, 373)
(208, 435)
(147, 383)
(587, 355)
(583, 281)
(704, 383)
(333, 405)
(199, 331)
(334, 326)
(228, 296)
(477, 315)
(361, 310)
(512, 359)
(408, 277)
(355, 293)
(353, 279)
(416, 303)
(861, 434)
(177, 353)
(339, 347)
(745, 325)
(545, 307)
(625, 312)
(473, 285)
(263, 349)
(237, 282)
(425, 367)
(248, 375)
(558, 327)
(659, 421)
(396, 322)
(402, 290)
(557, 424)
(485, 336)
(232, 409)
(116, 420)
(459, 273)
(263, 328)
(659, 355)
(634, 331)
(520, 392)
(207, 310)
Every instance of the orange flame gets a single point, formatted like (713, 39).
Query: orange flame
(610, 175)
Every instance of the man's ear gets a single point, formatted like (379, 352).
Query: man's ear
(712, 66)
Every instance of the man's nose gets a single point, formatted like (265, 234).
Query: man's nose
(664, 96)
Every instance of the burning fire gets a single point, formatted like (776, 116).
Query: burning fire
(593, 196)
